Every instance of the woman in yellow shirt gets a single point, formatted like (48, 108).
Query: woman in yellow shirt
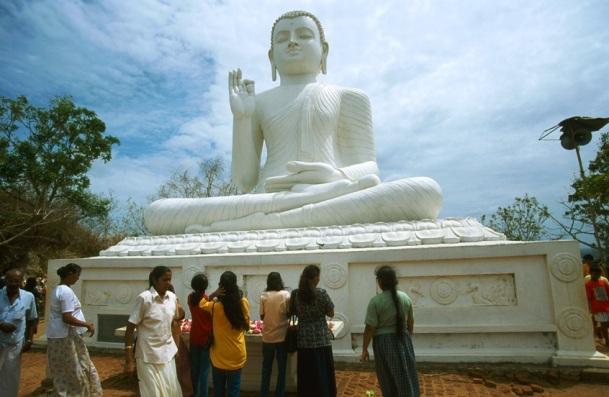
(230, 319)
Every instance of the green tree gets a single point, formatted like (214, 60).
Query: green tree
(129, 220)
(211, 181)
(524, 220)
(45, 154)
(588, 204)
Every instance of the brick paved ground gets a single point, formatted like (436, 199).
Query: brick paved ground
(356, 380)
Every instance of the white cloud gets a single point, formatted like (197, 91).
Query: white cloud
(460, 91)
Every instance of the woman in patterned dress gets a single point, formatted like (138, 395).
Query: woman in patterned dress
(315, 363)
(70, 366)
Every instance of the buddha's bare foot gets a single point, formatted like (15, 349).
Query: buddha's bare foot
(196, 229)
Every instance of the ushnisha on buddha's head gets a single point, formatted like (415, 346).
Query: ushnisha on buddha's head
(298, 45)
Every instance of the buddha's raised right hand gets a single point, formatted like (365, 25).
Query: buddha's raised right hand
(241, 94)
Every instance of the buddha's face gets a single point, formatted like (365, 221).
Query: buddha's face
(297, 48)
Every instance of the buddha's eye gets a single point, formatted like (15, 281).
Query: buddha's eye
(281, 37)
(305, 34)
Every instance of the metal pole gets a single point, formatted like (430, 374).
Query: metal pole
(579, 160)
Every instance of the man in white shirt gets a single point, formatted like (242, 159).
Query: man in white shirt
(18, 318)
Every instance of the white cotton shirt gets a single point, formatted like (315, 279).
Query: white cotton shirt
(21, 310)
(63, 300)
(274, 308)
(152, 315)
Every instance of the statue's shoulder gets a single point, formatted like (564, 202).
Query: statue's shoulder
(350, 95)
(344, 91)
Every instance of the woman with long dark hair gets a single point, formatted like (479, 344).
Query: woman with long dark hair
(274, 313)
(200, 335)
(230, 319)
(153, 314)
(315, 363)
(70, 366)
(390, 322)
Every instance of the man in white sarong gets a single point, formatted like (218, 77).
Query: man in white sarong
(18, 317)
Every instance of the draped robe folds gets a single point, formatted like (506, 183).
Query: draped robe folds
(326, 124)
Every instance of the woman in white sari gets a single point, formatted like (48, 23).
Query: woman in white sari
(153, 314)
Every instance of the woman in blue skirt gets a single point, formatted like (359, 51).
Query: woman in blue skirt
(389, 324)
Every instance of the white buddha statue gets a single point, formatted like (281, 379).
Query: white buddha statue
(320, 167)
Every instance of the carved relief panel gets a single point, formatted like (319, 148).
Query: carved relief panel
(111, 293)
(473, 290)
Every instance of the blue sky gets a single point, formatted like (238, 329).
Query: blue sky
(460, 90)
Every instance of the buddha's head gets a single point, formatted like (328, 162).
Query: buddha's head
(298, 45)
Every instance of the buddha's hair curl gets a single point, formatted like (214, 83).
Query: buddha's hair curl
(296, 14)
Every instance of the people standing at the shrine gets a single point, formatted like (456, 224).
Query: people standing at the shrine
(230, 319)
(274, 312)
(200, 336)
(155, 351)
(597, 292)
(390, 324)
(70, 366)
(18, 318)
(315, 363)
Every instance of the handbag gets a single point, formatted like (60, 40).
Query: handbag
(291, 336)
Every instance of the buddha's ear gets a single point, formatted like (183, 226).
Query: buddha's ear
(324, 57)
(273, 67)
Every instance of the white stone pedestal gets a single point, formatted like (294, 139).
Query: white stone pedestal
(490, 301)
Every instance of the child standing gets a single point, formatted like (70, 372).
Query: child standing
(274, 304)
(597, 291)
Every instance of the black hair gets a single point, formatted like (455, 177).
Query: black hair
(274, 282)
(595, 267)
(198, 284)
(156, 274)
(306, 289)
(231, 300)
(588, 258)
(68, 269)
(14, 269)
(388, 281)
(30, 284)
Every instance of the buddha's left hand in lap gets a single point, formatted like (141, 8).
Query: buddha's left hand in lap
(303, 173)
